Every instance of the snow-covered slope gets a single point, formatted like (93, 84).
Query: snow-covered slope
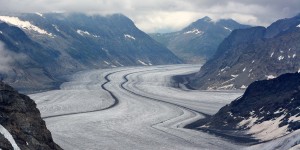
(57, 44)
(289, 142)
(26, 25)
(268, 110)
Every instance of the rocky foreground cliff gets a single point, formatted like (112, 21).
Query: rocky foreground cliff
(21, 124)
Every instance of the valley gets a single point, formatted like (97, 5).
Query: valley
(113, 80)
(131, 108)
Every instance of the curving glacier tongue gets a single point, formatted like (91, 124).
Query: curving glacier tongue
(131, 108)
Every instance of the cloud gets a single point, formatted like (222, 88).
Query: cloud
(8, 58)
(166, 15)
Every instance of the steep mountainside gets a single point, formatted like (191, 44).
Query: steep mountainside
(268, 109)
(247, 55)
(57, 44)
(21, 124)
(200, 40)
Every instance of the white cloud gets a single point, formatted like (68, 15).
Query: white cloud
(165, 15)
(7, 58)
(165, 21)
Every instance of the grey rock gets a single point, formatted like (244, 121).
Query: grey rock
(19, 115)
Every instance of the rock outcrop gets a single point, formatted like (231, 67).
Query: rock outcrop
(22, 120)
(268, 109)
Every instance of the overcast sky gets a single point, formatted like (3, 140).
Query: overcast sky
(166, 15)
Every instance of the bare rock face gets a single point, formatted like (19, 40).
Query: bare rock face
(20, 117)
(252, 54)
(268, 109)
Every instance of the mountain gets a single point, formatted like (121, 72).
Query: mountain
(200, 40)
(269, 109)
(57, 44)
(247, 55)
(21, 124)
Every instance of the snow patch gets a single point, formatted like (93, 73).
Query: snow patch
(40, 14)
(83, 33)
(248, 122)
(119, 63)
(129, 36)
(226, 86)
(227, 29)
(280, 58)
(296, 147)
(23, 24)
(56, 27)
(294, 118)
(272, 54)
(278, 111)
(243, 87)
(294, 55)
(268, 130)
(298, 25)
(9, 137)
(205, 126)
(106, 62)
(234, 75)
(1, 32)
(269, 77)
(290, 142)
(225, 68)
(244, 69)
(143, 63)
(253, 61)
(194, 31)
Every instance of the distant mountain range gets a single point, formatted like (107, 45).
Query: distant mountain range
(199, 41)
(269, 109)
(247, 55)
(41, 48)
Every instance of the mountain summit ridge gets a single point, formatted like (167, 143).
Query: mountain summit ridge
(251, 54)
(198, 41)
(59, 44)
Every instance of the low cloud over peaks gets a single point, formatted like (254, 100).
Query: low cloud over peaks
(166, 15)
(8, 58)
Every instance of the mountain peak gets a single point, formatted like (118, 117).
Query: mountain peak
(206, 19)
(200, 23)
